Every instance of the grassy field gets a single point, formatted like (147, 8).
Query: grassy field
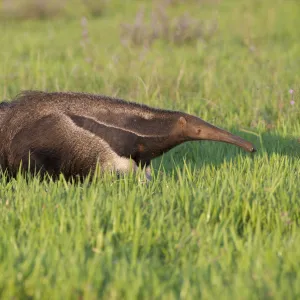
(215, 222)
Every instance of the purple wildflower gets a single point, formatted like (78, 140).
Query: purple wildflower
(84, 21)
(291, 91)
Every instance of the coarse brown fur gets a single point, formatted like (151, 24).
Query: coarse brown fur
(69, 133)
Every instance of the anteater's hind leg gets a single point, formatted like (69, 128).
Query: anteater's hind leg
(56, 145)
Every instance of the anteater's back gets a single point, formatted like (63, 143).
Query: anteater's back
(108, 110)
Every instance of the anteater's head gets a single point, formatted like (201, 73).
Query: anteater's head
(193, 128)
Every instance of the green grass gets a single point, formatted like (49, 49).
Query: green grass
(215, 222)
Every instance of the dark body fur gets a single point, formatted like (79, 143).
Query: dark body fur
(69, 133)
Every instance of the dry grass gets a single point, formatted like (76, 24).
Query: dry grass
(182, 29)
(44, 9)
(176, 2)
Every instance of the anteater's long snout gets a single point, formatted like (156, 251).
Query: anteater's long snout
(236, 140)
(213, 133)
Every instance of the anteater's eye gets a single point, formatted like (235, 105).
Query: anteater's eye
(198, 131)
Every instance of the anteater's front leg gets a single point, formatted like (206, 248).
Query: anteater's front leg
(148, 173)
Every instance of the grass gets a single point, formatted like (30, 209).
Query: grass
(215, 222)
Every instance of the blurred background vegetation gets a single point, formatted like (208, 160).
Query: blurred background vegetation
(44, 9)
(214, 57)
(41, 9)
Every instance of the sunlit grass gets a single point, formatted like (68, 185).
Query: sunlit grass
(215, 222)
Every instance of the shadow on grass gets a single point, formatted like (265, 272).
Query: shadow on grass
(203, 153)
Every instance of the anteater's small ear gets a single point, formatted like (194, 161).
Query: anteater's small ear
(182, 121)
